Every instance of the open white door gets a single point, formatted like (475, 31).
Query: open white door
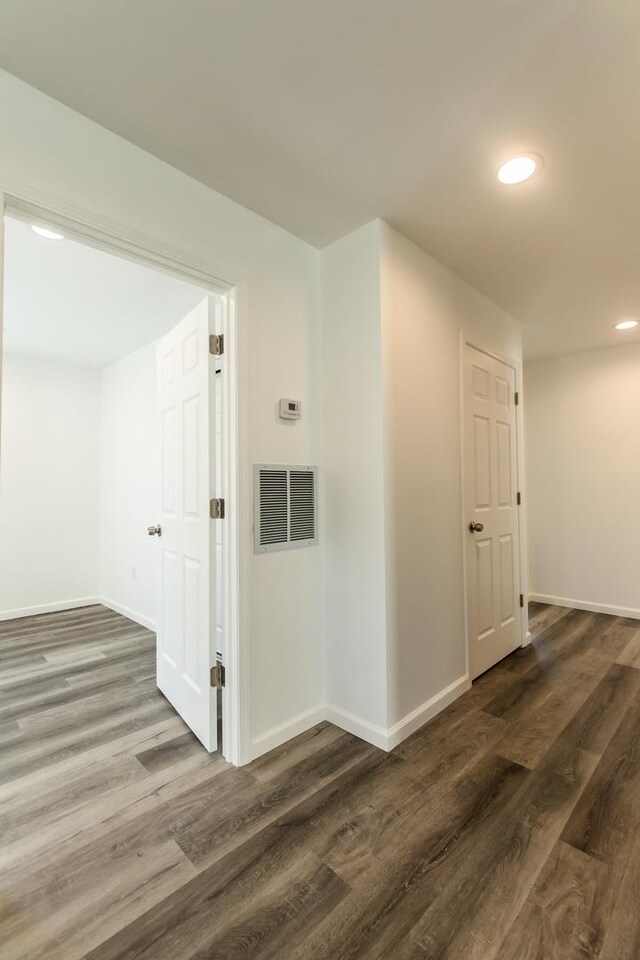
(491, 520)
(186, 619)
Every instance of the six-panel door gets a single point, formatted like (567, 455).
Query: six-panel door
(186, 621)
(491, 520)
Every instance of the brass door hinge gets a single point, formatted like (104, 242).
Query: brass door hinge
(216, 508)
(216, 344)
(218, 675)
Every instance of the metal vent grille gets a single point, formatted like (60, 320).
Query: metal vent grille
(285, 507)
(302, 499)
(273, 507)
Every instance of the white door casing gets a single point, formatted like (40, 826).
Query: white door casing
(490, 484)
(187, 594)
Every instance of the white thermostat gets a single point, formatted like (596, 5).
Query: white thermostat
(289, 409)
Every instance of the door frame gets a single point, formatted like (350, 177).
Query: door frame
(25, 203)
(525, 635)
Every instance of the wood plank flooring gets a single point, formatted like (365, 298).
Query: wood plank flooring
(506, 829)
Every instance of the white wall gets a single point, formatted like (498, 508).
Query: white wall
(58, 153)
(352, 481)
(393, 324)
(49, 485)
(421, 332)
(583, 453)
(426, 312)
(129, 487)
(79, 485)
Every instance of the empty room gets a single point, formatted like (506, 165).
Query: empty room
(319, 568)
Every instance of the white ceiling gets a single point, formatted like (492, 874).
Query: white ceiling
(69, 302)
(322, 114)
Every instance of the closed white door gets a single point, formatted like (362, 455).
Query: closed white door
(491, 520)
(187, 556)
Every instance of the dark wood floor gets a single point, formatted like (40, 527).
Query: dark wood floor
(507, 828)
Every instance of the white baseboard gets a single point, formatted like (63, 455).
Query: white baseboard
(286, 731)
(74, 605)
(129, 614)
(418, 717)
(389, 738)
(39, 608)
(356, 725)
(631, 612)
(378, 736)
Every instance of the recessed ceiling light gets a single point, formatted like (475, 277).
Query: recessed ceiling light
(626, 325)
(46, 233)
(519, 168)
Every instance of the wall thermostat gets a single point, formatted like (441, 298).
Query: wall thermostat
(289, 409)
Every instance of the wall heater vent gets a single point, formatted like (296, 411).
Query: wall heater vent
(286, 509)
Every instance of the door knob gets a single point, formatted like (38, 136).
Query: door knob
(155, 531)
(476, 527)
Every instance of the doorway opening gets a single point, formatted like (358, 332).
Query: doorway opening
(99, 451)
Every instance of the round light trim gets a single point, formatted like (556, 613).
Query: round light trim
(626, 325)
(518, 169)
(46, 233)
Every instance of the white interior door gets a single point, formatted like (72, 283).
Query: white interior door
(491, 521)
(187, 595)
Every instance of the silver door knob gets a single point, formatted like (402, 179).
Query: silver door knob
(155, 531)
(476, 527)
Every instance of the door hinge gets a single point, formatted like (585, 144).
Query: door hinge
(216, 344)
(522, 599)
(516, 398)
(218, 675)
(519, 498)
(216, 508)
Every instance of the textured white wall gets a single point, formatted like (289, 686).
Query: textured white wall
(583, 430)
(49, 484)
